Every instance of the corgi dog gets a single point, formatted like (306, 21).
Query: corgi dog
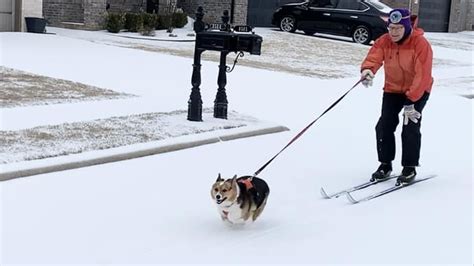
(240, 200)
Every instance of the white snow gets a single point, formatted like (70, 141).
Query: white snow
(158, 209)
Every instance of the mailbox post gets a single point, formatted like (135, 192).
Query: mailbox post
(195, 100)
(225, 39)
(220, 103)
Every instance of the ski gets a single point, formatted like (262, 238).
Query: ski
(386, 191)
(358, 187)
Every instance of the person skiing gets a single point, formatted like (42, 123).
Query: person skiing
(407, 59)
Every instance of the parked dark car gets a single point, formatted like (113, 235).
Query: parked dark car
(363, 20)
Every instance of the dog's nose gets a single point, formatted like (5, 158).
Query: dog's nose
(218, 197)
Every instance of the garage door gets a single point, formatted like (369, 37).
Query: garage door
(6, 15)
(260, 12)
(434, 15)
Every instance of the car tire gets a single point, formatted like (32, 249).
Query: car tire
(362, 35)
(288, 24)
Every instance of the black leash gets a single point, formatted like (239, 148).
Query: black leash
(306, 128)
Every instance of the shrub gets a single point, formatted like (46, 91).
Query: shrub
(179, 20)
(164, 22)
(115, 22)
(133, 22)
(149, 24)
(176, 20)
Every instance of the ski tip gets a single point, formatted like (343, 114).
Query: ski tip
(430, 176)
(324, 194)
(350, 198)
(415, 181)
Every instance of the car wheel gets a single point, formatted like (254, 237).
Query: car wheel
(288, 24)
(308, 32)
(362, 34)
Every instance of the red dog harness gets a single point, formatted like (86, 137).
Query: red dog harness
(247, 182)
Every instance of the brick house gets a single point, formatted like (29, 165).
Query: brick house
(213, 10)
(89, 14)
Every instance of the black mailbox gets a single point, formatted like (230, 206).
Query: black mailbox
(229, 41)
(213, 40)
(251, 43)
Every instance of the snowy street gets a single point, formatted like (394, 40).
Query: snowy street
(158, 209)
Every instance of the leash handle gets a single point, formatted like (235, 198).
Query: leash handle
(306, 128)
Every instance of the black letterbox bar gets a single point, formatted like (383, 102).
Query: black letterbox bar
(242, 28)
(227, 27)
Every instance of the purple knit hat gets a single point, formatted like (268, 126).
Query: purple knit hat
(401, 16)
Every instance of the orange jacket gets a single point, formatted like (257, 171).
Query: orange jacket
(407, 65)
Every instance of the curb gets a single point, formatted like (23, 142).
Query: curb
(126, 155)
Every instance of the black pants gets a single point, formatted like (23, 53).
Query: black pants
(392, 104)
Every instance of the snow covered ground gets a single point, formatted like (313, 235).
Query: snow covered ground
(157, 209)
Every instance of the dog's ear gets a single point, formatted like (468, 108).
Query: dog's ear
(219, 178)
(234, 182)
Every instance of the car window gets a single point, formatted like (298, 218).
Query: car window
(362, 6)
(323, 3)
(350, 4)
(379, 5)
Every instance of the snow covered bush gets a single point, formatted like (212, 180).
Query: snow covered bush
(149, 23)
(114, 22)
(179, 19)
(133, 22)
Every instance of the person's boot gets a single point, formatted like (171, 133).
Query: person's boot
(382, 172)
(407, 176)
